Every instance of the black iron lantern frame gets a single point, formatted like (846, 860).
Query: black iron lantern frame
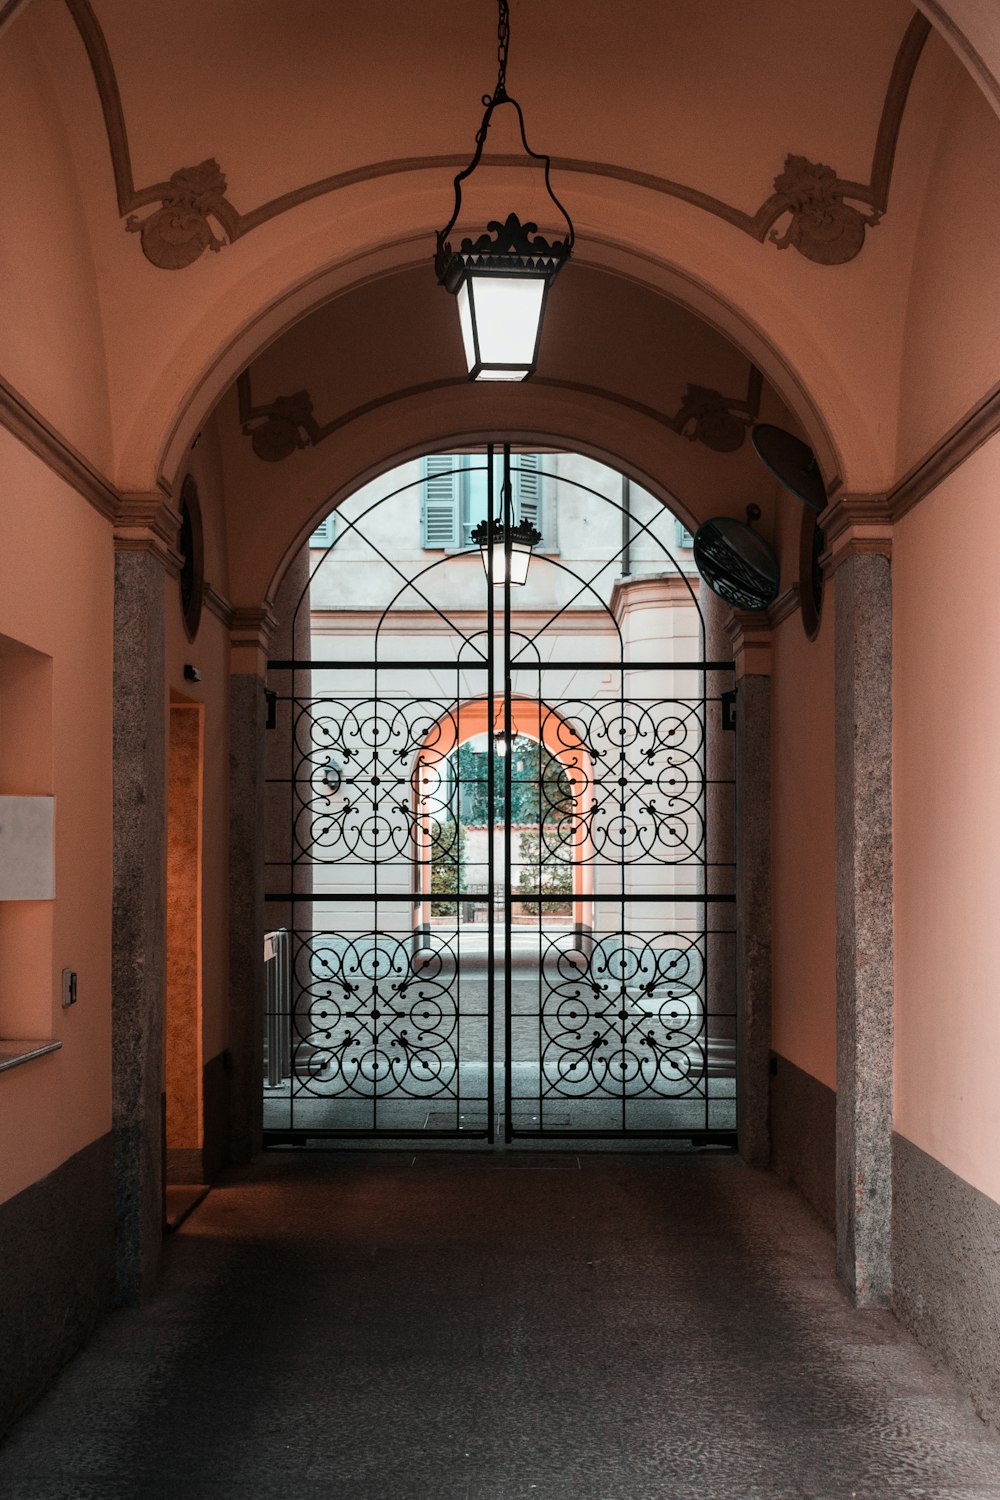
(506, 550)
(501, 279)
(505, 547)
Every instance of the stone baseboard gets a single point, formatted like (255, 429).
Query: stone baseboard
(56, 1272)
(946, 1271)
(804, 1136)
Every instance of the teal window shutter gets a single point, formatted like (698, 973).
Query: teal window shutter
(528, 489)
(476, 491)
(323, 535)
(440, 502)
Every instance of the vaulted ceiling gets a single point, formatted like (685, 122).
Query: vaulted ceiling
(234, 205)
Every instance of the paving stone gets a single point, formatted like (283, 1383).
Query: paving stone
(467, 1328)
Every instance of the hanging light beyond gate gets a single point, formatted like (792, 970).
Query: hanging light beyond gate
(501, 279)
(505, 548)
(491, 539)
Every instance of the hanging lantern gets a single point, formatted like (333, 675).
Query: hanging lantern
(490, 537)
(501, 739)
(501, 278)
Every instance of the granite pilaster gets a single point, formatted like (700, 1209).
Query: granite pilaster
(721, 824)
(753, 915)
(863, 813)
(247, 717)
(751, 640)
(139, 917)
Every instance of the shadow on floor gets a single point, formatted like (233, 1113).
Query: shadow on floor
(478, 1327)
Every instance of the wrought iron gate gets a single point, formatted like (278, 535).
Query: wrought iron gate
(565, 971)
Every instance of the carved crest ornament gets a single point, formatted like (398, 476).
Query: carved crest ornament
(823, 228)
(280, 427)
(718, 422)
(179, 231)
(283, 426)
(191, 213)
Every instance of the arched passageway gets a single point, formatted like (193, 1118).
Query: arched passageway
(206, 316)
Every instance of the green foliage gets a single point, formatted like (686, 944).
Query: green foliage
(447, 859)
(540, 790)
(547, 869)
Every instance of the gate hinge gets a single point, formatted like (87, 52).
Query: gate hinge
(728, 701)
(271, 722)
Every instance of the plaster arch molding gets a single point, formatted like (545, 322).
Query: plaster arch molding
(173, 351)
(826, 405)
(972, 29)
(731, 287)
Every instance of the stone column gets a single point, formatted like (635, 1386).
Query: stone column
(751, 637)
(290, 788)
(859, 535)
(247, 719)
(720, 832)
(145, 560)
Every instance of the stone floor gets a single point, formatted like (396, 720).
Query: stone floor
(375, 1327)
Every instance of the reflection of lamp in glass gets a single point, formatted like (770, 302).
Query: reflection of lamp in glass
(501, 278)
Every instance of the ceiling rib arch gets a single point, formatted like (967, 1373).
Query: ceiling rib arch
(821, 223)
(722, 315)
(276, 518)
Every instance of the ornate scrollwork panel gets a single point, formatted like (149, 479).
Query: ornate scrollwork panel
(375, 1018)
(638, 777)
(626, 1021)
(369, 779)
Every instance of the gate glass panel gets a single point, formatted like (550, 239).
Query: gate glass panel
(500, 879)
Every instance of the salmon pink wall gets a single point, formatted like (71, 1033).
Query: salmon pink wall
(58, 548)
(53, 345)
(804, 994)
(946, 790)
(953, 328)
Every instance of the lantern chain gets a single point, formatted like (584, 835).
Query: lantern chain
(503, 40)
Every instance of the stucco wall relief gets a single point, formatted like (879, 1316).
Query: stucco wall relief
(278, 428)
(823, 226)
(180, 230)
(281, 427)
(719, 422)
